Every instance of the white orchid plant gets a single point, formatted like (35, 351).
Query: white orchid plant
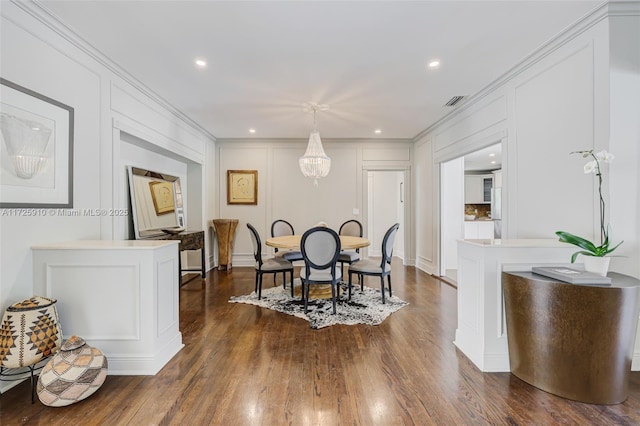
(589, 248)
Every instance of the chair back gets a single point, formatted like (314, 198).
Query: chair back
(281, 227)
(320, 248)
(387, 245)
(257, 244)
(352, 228)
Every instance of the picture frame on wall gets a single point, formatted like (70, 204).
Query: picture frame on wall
(36, 149)
(242, 187)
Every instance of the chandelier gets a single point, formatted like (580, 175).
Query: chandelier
(314, 163)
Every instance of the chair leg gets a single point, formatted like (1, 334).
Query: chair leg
(260, 287)
(382, 288)
(256, 283)
(350, 277)
(291, 283)
(389, 279)
(333, 296)
(284, 279)
(33, 385)
(305, 296)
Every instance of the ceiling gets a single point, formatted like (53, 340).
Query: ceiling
(489, 158)
(366, 59)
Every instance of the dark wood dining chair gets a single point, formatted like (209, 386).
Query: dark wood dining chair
(351, 228)
(380, 268)
(279, 228)
(269, 266)
(320, 249)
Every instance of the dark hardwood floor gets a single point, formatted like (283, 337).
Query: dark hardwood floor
(244, 365)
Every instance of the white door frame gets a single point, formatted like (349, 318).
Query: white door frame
(409, 258)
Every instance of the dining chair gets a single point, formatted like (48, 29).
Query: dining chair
(320, 249)
(352, 228)
(279, 228)
(374, 267)
(269, 266)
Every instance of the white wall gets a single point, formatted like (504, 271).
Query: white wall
(284, 193)
(41, 54)
(624, 141)
(427, 205)
(562, 98)
(452, 217)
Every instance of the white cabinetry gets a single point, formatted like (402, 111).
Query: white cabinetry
(497, 178)
(478, 230)
(477, 189)
(119, 296)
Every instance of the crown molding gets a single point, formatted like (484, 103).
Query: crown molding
(55, 23)
(601, 12)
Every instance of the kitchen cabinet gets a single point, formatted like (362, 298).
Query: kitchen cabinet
(477, 189)
(497, 178)
(478, 230)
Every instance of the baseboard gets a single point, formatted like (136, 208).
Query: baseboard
(635, 362)
(144, 365)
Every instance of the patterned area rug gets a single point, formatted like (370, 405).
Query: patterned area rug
(364, 308)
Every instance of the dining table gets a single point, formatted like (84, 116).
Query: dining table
(292, 242)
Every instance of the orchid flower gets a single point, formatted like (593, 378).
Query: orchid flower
(590, 249)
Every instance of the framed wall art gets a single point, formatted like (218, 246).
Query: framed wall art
(242, 187)
(162, 196)
(36, 149)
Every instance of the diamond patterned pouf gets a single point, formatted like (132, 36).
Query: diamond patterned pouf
(30, 332)
(73, 374)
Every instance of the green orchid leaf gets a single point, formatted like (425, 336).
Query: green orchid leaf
(612, 249)
(574, 255)
(587, 245)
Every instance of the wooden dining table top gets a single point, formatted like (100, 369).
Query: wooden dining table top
(293, 242)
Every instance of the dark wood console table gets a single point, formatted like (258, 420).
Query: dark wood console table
(189, 240)
(574, 341)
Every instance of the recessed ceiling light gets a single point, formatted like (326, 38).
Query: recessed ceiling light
(434, 64)
(493, 162)
(201, 63)
(252, 130)
(492, 155)
(377, 131)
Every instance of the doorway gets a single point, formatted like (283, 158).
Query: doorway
(468, 191)
(386, 204)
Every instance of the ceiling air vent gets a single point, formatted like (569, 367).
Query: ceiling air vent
(454, 101)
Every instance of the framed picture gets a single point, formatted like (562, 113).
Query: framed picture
(242, 187)
(36, 149)
(162, 196)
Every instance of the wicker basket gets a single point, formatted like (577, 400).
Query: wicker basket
(73, 374)
(30, 332)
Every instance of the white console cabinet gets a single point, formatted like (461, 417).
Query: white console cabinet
(119, 296)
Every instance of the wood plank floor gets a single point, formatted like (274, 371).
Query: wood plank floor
(244, 365)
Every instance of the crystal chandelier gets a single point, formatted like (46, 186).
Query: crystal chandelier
(315, 163)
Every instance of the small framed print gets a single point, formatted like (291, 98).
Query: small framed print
(162, 196)
(242, 187)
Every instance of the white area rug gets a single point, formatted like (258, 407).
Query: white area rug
(364, 308)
